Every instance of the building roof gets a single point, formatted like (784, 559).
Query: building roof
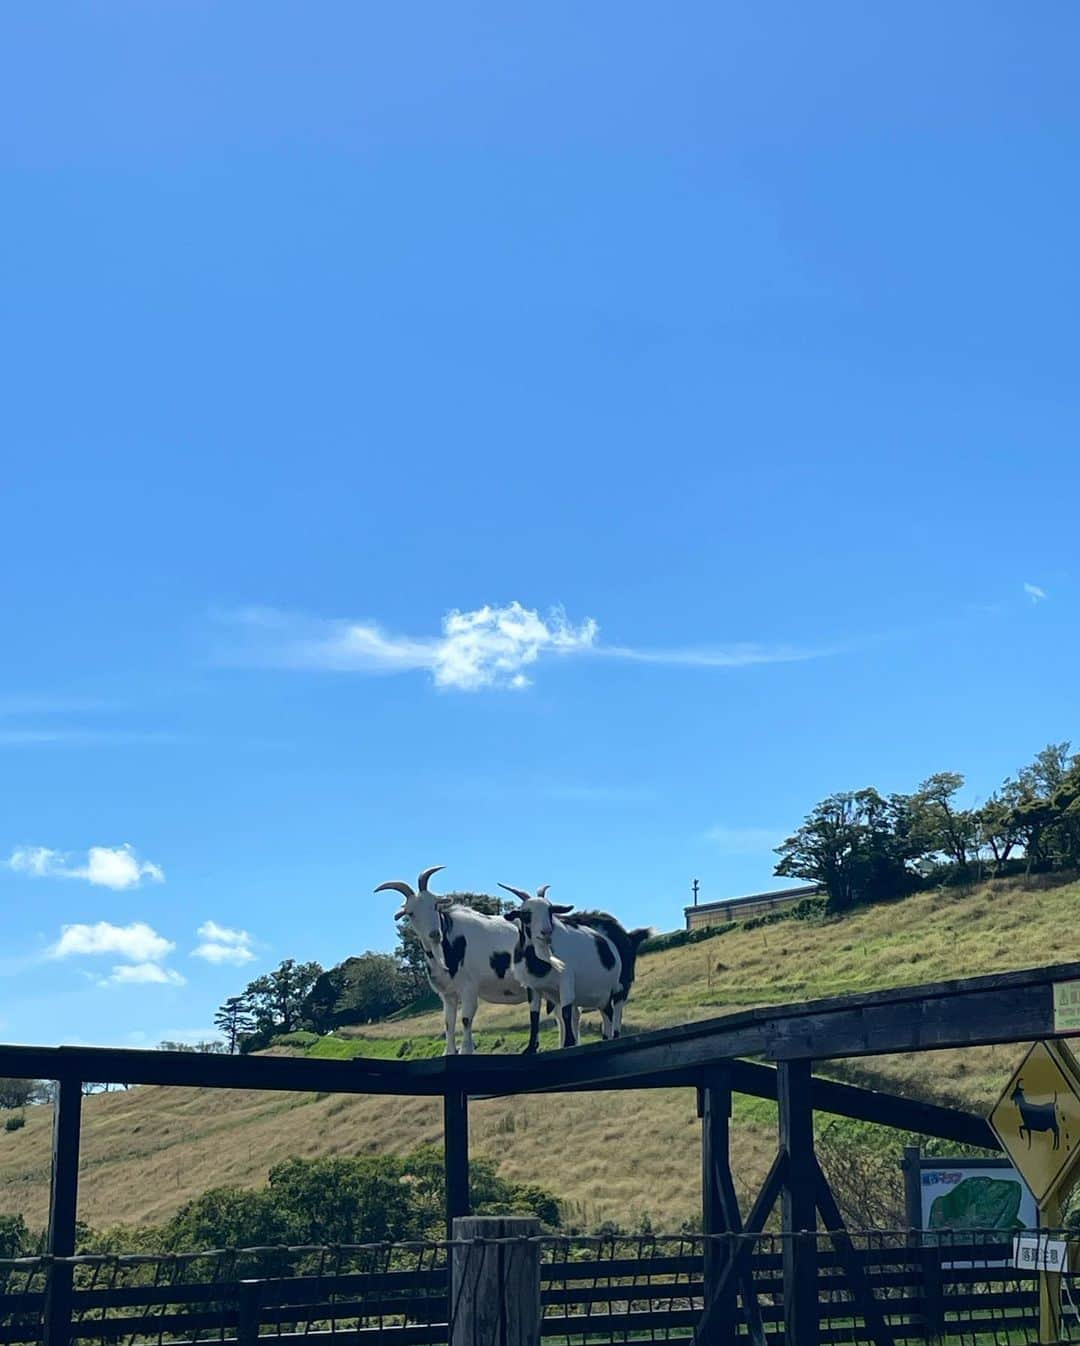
(806, 890)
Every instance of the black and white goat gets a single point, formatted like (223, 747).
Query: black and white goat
(468, 955)
(583, 960)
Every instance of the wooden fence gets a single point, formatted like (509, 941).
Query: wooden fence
(596, 1292)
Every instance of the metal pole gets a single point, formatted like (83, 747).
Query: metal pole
(63, 1209)
(799, 1206)
(456, 1154)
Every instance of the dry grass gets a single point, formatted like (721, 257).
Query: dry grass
(148, 1150)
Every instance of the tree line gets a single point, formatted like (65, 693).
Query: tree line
(862, 846)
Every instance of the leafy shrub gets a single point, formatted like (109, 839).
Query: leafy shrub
(14, 1122)
(362, 1199)
(809, 909)
(298, 1039)
(675, 939)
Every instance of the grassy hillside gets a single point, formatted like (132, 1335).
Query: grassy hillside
(148, 1150)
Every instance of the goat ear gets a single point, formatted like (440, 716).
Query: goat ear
(561, 911)
(511, 915)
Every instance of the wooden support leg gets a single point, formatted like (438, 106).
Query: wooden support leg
(861, 1290)
(799, 1204)
(63, 1209)
(716, 1217)
(740, 1267)
(456, 1155)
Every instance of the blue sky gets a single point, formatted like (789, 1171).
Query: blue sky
(716, 366)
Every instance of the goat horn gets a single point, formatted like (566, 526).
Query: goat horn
(542, 891)
(422, 881)
(396, 886)
(525, 897)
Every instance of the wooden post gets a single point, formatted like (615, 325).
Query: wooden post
(1049, 1281)
(924, 1254)
(456, 1154)
(249, 1306)
(63, 1209)
(495, 1286)
(912, 1191)
(714, 1108)
(799, 1206)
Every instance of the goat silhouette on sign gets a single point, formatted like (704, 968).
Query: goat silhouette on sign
(1036, 1116)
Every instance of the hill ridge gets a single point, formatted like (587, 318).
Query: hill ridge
(147, 1150)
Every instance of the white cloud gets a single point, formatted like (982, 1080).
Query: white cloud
(137, 942)
(485, 647)
(744, 840)
(223, 945)
(142, 974)
(114, 867)
(492, 646)
(1035, 593)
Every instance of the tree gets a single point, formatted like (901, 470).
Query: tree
(996, 829)
(343, 1200)
(18, 1093)
(1048, 771)
(358, 990)
(857, 846)
(234, 1020)
(1042, 796)
(15, 1240)
(225, 1217)
(945, 827)
(276, 999)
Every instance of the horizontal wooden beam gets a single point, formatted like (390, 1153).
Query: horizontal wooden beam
(209, 1070)
(830, 1096)
(1005, 1007)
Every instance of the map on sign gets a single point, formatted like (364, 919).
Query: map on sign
(1037, 1118)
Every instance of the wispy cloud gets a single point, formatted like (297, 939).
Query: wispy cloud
(741, 655)
(483, 648)
(142, 974)
(137, 942)
(744, 840)
(1036, 594)
(220, 944)
(115, 867)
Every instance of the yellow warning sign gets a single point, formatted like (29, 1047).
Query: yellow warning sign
(1037, 1118)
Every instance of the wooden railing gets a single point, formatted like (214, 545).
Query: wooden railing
(596, 1292)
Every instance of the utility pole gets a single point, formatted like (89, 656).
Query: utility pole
(694, 888)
